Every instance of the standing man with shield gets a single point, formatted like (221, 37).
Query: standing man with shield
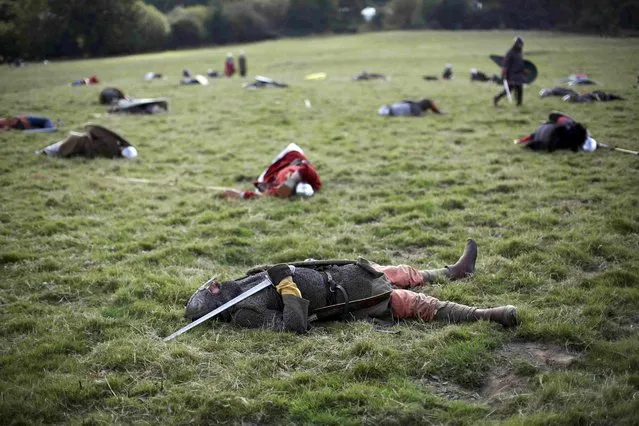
(513, 73)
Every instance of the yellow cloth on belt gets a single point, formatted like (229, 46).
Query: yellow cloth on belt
(287, 286)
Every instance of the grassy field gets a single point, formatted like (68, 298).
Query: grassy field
(95, 271)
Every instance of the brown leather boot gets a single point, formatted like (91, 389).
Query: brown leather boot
(464, 266)
(455, 312)
(504, 315)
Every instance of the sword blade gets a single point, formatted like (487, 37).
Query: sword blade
(266, 282)
(507, 89)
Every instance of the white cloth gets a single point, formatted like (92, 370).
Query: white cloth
(52, 149)
(590, 145)
(368, 13)
(384, 110)
(129, 152)
(304, 189)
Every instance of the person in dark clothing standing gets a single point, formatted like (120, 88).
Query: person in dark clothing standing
(512, 72)
(242, 63)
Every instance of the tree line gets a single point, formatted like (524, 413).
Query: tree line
(62, 28)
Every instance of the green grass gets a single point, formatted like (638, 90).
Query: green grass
(95, 271)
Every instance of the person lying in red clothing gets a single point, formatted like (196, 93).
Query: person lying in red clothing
(291, 173)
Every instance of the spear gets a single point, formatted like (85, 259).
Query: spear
(153, 182)
(614, 148)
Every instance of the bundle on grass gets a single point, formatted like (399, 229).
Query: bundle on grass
(95, 141)
(476, 75)
(262, 82)
(140, 106)
(447, 74)
(196, 80)
(578, 80)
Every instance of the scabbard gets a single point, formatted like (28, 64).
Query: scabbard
(336, 311)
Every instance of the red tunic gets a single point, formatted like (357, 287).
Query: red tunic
(277, 173)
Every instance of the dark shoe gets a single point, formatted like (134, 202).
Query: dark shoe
(466, 264)
(504, 315)
(495, 101)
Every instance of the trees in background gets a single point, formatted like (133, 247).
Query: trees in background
(47, 28)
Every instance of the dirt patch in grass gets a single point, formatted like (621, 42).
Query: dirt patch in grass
(521, 361)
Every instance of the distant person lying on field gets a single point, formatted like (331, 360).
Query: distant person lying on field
(476, 75)
(596, 96)
(86, 81)
(409, 108)
(556, 91)
(559, 132)
(291, 173)
(364, 75)
(96, 141)
(153, 76)
(569, 95)
(198, 79)
(29, 124)
(261, 82)
(139, 106)
(191, 79)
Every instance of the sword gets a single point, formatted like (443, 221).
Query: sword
(266, 282)
(507, 89)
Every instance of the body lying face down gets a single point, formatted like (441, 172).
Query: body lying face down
(96, 141)
(559, 132)
(409, 108)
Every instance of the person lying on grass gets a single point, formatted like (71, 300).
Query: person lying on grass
(86, 81)
(96, 141)
(476, 75)
(596, 96)
(365, 75)
(264, 82)
(28, 123)
(409, 108)
(569, 95)
(559, 132)
(343, 290)
(291, 173)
